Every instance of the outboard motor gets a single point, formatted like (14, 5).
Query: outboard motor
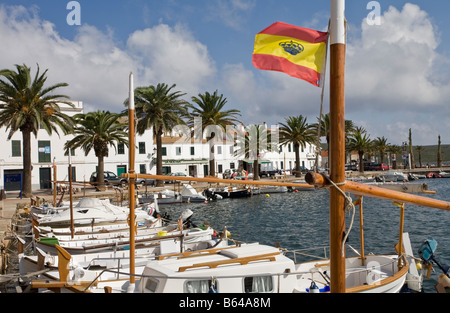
(426, 252)
(186, 217)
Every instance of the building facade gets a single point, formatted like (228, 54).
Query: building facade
(190, 157)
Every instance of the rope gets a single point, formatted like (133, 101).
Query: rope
(349, 206)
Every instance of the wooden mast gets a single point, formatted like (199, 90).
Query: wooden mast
(337, 144)
(131, 180)
(72, 227)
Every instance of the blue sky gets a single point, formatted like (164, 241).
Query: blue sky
(397, 72)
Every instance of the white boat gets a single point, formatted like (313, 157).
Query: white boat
(444, 174)
(273, 189)
(87, 244)
(119, 256)
(260, 268)
(164, 196)
(89, 211)
(100, 274)
(189, 194)
(392, 176)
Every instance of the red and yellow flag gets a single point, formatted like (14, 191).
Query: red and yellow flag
(297, 51)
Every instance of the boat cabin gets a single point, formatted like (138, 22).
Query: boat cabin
(248, 268)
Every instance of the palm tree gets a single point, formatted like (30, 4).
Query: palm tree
(161, 108)
(209, 108)
(419, 150)
(98, 130)
(297, 131)
(380, 144)
(257, 140)
(27, 105)
(360, 141)
(324, 131)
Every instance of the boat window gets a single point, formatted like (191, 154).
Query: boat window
(199, 286)
(151, 284)
(258, 284)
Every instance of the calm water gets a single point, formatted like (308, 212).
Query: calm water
(301, 220)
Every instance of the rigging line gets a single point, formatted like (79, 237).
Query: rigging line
(318, 149)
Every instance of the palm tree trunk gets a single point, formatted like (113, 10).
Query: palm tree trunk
(101, 173)
(361, 161)
(298, 172)
(255, 170)
(159, 167)
(26, 178)
(212, 162)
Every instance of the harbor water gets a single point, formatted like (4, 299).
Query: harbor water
(300, 220)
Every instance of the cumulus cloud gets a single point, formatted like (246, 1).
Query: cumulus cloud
(94, 66)
(171, 55)
(393, 74)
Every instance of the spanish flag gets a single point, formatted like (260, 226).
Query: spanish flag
(296, 51)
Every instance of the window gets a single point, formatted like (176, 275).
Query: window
(192, 150)
(232, 166)
(219, 149)
(220, 168)
(289, 147)
(44, 155)
(151, 285)
(142, 148)
(258, 284)
(199, 286)
(16, 149)
(121, 148)
(178, 150)
(164, 151)
(142, 168)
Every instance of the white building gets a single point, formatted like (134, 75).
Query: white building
(190, 157)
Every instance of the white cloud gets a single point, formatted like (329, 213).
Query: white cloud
(171, 55)
(393, 81)
(391, 75)
(93, 65)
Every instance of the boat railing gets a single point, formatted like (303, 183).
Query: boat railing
(318, 253)
(373, 269)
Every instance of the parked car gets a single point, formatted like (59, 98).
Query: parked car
(109, 177)
(180, 174)
(146, 182)
(381, 167)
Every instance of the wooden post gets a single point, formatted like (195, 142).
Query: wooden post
(131, 179)
(337, 144)
(400, 238)
(361, 229)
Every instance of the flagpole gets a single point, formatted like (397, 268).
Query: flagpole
(337, 144)
(131, 181)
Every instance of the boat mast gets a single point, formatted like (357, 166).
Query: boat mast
(337, 144)
(131, 180)
(72, 227)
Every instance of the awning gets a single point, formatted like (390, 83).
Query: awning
(260, 161)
